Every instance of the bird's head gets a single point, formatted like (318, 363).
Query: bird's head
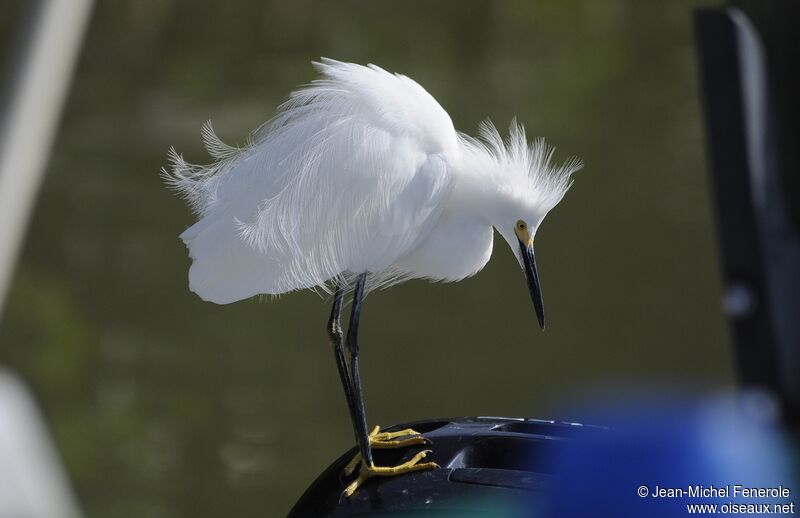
(526, 186)
(519, 235)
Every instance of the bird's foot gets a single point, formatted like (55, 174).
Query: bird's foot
(367, 472)
(387, 440)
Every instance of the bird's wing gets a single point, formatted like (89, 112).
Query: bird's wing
(346, 178)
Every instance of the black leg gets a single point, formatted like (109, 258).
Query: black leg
(360, 418)
(335, 333)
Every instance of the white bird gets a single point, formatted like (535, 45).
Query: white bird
(361, 180)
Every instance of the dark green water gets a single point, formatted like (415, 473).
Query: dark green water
(165, 406)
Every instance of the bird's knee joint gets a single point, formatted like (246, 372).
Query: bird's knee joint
(335, 333)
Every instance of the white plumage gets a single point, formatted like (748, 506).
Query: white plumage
(360, 171)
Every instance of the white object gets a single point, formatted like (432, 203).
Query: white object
(32, 481)
(34, 108)
(360, 171)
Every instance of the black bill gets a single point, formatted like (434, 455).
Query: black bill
(529, 261)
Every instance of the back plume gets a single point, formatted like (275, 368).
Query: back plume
(313, 195)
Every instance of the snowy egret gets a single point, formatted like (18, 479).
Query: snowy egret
(361, 181)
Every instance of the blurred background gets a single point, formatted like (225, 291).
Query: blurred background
(164, 406)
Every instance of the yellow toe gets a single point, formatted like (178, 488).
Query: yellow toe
(367, 472)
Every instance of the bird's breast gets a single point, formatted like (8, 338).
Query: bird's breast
(456, 248)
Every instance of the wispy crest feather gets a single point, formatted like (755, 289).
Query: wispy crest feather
(530, 166)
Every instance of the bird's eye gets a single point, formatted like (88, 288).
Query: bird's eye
(521, 225)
